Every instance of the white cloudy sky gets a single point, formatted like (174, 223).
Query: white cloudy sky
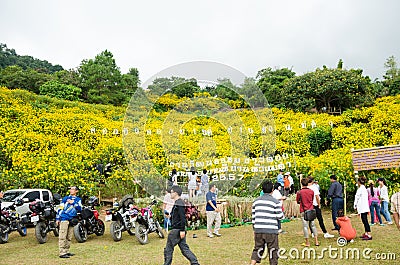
(246, 35)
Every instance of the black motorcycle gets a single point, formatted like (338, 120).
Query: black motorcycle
(11, 221)
(88, 221)
(123, 217)
(146, 224)
(43, 216)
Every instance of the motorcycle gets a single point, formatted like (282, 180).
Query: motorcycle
(146, 224)
(88, 221)
(11, 221)
(43, 216)
(123, 217)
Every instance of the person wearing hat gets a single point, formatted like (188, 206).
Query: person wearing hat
(70, 206)
(374, 203)
(291, 191)
(383, 191)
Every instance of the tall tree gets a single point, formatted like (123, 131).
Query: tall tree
(328, 89)
(271, 82)
(392, 77)
(101, 80)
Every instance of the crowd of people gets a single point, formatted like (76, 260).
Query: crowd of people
(267, 212)
(371, 198)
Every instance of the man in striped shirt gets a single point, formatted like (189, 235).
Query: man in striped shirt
(266, 212)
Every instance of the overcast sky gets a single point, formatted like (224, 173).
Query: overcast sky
(246, 35)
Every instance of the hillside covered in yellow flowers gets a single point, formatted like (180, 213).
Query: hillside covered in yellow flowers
(51, 143)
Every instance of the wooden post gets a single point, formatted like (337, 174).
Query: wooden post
(345, 198)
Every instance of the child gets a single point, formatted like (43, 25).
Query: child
(346, 230)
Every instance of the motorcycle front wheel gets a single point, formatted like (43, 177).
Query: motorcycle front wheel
(21, 228)
(141, 234)
(100, 228)
(40, 232)
(115, 230)
(3, 238)
(80, 233)
(159, 230)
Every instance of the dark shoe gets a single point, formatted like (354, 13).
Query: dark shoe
(367, 238)
(70, 254)
(65, 256)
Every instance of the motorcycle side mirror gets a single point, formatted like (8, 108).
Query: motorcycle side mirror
(154, 201)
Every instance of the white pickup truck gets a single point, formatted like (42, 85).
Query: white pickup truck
(27, 195)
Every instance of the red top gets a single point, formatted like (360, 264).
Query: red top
(286, 182)
(346, 230)
(305, 197)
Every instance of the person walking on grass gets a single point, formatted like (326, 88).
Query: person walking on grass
(177, 234)
(384, 195)
(317, 207)
(70, 206)
(277, 195)
(362, 207)
(213, 214)
(305, 197)
(374, 203)
(265, 213)
(336, 195)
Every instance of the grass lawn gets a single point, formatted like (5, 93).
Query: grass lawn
(233, 248)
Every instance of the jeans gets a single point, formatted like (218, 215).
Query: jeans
(385, 211)
(167, 221)
(375, 206)
(337, 204)
(173, 240)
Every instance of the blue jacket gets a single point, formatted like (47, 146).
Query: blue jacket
(69, 211)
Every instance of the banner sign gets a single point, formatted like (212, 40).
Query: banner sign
(376, 158)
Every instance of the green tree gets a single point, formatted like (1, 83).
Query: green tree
(67, 77)
(9, 57)
(101, 80)
(59, 90)
(179, 86)
(328, 89)
(271, 82)
(15, 77)
(392, 77)
(130, 82)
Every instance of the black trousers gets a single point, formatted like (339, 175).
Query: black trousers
(173, 240)
(320, 219)
(364, 219)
